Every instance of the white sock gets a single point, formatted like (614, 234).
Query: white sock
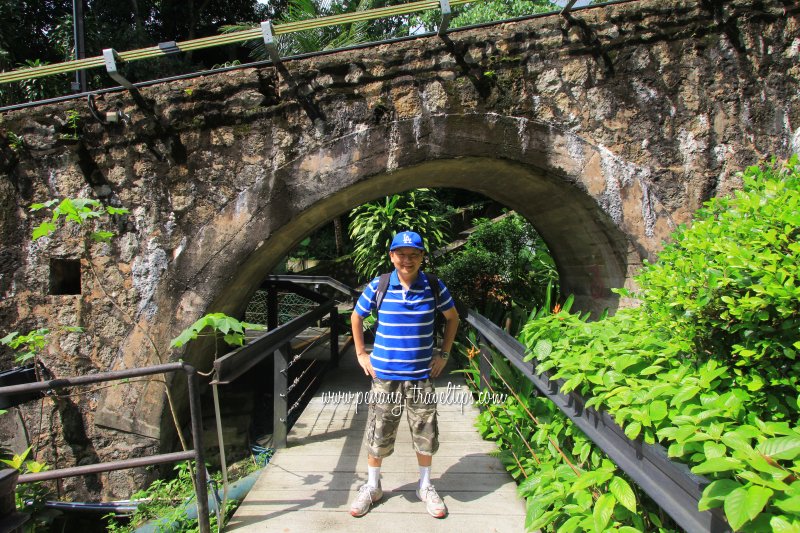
(374, 476)
(424, 476)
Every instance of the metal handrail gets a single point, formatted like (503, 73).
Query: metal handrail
(276, 342)
(315, 280)
(201, 489)
(223, 39)
(268, 62)
(671, 485)
(234, 364)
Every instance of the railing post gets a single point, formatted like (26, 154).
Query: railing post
(10, 520)
(484, 365)
(334, 337)
(272, 307)
(197, 439)
(281, 399)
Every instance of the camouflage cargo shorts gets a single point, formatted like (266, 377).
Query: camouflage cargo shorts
(386, 402)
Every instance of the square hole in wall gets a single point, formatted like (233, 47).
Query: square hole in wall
(65, 276)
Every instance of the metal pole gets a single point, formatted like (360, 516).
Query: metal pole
(281, 396)
(483, 364)
(106, 467)
(197, 439)
(222, 462)
(80, 45)
(335, 337)
(272, 307)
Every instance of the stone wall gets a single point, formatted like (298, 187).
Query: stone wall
(606, 129)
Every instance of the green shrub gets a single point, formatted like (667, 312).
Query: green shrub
(729, 285)
(503, 265)
(707, 365)
(374, 225)
(163, 505)
(569, 484)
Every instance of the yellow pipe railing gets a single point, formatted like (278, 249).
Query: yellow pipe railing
(222, 39)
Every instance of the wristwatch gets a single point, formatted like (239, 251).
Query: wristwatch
(444, 355)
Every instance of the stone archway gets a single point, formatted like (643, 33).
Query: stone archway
(601, 128)
(595, 212)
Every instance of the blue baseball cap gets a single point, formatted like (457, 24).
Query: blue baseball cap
(407, 239)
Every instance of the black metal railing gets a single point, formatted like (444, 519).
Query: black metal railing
(197, 453)
(276, 341)
(671, 485)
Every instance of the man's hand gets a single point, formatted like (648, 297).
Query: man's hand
(363, 360)
(437, 365)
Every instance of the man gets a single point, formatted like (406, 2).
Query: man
(402, 366)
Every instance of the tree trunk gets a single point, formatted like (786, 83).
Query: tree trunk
(338, 232)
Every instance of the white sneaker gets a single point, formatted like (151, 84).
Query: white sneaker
(367, 495)
(433, 502)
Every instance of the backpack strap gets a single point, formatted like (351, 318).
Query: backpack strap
(380, 292)
(383, 286)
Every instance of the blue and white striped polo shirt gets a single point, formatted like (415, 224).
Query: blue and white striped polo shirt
(404, 339)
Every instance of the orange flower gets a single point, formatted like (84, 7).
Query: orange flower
(557, 309)
(472, 352)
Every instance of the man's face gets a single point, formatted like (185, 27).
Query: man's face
(406, 260)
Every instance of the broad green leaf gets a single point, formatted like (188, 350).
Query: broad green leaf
(47, 204)
(101, 236)
(43, 229)
(756, 479)
(10, 337)
(633, 429)
(117, 210)
(714, 449)
(685, 394)
(543, 349)
(226, 324)
(780, 524)
(603, 509)
(718, 464)
(658, 410)
(185, 336)
(589, 479)
(737, 442)
(623, 493)
(234, 339)
(716, 492)
(759, 463)
(789, 505)
(735, 507)
(528, 486)
(654, 369)
(757, 498)
(584, 499)
(571, 525)
(541, 521)
(786, 448)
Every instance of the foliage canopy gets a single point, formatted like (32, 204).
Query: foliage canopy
(707, 366)
(374, 225)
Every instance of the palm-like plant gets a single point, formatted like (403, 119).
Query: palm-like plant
(374, 225)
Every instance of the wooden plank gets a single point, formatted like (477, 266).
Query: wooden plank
(308, 486)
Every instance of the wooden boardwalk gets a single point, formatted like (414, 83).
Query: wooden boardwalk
(309, 485)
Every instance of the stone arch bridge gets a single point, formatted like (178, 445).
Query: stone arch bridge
(606, 128)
